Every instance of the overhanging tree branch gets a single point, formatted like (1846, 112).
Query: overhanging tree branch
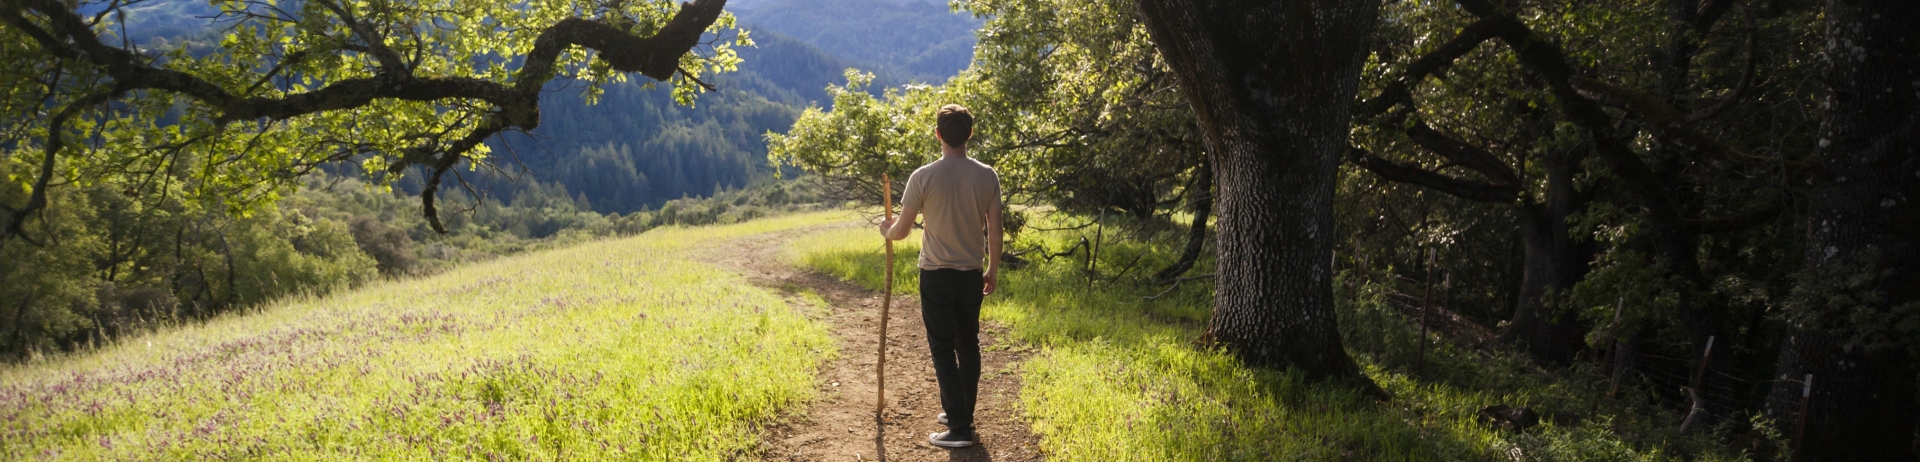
(1667, 122)
(1401, 90)
(1550, 62)
(1739, 89)
(375, 43)
(1504, 182)
(67, 35)
(1710, 12)
(17, 220)
(1413, 174)
(1740, 222)
(1459, 152)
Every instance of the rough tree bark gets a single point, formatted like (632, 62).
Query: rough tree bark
(1272, 85)
(1863, 221)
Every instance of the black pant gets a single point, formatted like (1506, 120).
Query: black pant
(950, 307)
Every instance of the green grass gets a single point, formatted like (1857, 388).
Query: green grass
(631, 349)
(858, 254)
(620, 349)
(1117, 378)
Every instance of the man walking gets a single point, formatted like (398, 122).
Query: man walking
(961, 199)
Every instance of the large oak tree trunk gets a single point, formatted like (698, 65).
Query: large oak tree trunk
(1272, 84)
(1554, 261)
(1863, 224)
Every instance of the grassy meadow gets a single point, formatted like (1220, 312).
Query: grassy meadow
(618, 349)
(1116, 377)
(632, 349)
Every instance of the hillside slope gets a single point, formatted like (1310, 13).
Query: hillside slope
(625, 348)
(907, 40)
(636, 149)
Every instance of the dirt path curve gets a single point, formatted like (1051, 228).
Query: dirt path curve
(839, 424)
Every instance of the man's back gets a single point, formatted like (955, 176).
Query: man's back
(960, 199)
(955, 194)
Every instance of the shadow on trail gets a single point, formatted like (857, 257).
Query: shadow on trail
(974, 453)
(880, 439)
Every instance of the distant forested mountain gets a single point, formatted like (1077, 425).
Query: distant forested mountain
(636, 149)
(917, 40)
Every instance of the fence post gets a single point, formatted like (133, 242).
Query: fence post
(1613, 354)
(1800, 430)
(1700, 374)
(1093, 251)
(1613, 349)
(1426, 303)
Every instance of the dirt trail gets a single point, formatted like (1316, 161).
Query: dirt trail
(839, 424)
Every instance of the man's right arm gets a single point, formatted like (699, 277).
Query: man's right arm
(900, 226)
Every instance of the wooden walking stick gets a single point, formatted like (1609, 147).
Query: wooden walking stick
(886, 301)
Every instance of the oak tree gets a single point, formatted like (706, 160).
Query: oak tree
(292, 85)
(1851, 316)
(1272, 85)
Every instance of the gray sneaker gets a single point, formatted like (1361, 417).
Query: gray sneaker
(949, 440)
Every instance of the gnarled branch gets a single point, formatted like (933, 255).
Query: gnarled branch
(1740, 222)
(37, 200)
(1546, 59)
(1413, 174)
(1667, 122)
(1466, 155)
(1401, 90)
(1710, 12)
(67, 35)
(1739, 89)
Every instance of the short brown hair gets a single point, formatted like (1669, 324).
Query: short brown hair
(955, 125)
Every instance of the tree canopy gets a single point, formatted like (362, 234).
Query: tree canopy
(297, 84)
(1705, 199)
(1617, 184)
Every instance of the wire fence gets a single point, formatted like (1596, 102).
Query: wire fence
(1680, 382)
(1683, 380)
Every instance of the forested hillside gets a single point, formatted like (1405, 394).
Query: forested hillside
(136, 244)
(907, 40)
(636, 148)
(1359, 230)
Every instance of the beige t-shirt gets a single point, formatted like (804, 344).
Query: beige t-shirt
(954, 194)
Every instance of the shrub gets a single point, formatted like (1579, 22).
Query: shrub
(390, 246)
